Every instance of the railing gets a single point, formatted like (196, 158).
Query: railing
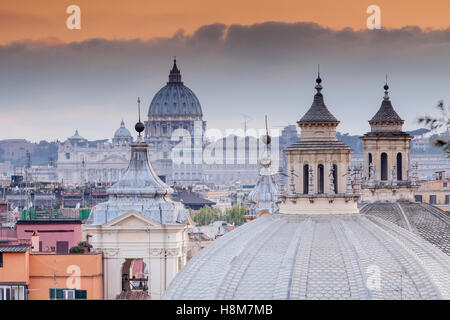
(51, 213)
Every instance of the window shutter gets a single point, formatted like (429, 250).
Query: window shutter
(59, 294)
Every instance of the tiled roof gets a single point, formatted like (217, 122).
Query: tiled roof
(187, 197)
(388, 134)
(318, 112)
(14, 248)
(317, 145)
(423, 219)
(386, 113)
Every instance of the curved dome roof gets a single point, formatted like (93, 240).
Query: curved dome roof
(122, 132)
(320, 256)
(427, 221)
(175, 99)
(141, 190)
(76, 136)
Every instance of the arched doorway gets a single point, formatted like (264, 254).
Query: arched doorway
(320, 179)
(384, 166)
(305, 179)
(134, 280)
(399, 166)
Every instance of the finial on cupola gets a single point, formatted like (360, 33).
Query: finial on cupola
(139, 127)
(175, 74)
(318, 80)
(267, 139)
(386, 88)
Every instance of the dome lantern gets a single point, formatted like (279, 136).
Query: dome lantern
(175, 100)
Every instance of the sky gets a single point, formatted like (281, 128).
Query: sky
(243, 59)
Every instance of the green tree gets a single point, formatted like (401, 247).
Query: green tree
(236, 215)
(437, 123)
(206, 215)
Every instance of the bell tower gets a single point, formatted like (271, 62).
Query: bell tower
(319, 176)
(388, 173)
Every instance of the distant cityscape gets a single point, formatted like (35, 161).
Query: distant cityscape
(129, 213)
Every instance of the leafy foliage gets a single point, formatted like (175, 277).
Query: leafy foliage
(437, 123)
(234, 215)
(76, 249)
(207, 215)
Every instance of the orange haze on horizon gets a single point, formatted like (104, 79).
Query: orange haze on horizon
(146, 19)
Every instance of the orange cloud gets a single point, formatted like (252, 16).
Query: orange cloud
(118, 19)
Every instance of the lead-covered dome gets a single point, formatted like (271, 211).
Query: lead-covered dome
(122, 132)
(175, 99)
(316, 256)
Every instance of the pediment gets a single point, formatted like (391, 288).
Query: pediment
(132, 219)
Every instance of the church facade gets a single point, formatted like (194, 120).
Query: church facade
(140, 231)
(81, 161)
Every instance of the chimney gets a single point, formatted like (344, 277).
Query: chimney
(35, 242)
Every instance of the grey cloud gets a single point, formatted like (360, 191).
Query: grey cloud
(267, 68)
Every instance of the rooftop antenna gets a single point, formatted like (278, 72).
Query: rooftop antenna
(247, 118)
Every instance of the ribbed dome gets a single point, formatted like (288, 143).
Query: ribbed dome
(175, 99)
(122, 132)
(316, 256)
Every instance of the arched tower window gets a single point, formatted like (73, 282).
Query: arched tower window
(399, 166)
(370, 164)
(320, 179)
(305, 179)
(335, 178)
(384, 166)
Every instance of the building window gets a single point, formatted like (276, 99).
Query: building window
(67, 156)
(432, 199)
(62, 247)
(445, 184)
(370, 163)
(67, 294)
(418, 197)
(399, 166)
(384, 166)
(447, 199)
(335, 178)
(320, 179)
(12, 293)
(305, 179)
(1, 259)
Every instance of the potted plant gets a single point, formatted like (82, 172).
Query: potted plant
(85, 245)
(52, 248)
(76, 249)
